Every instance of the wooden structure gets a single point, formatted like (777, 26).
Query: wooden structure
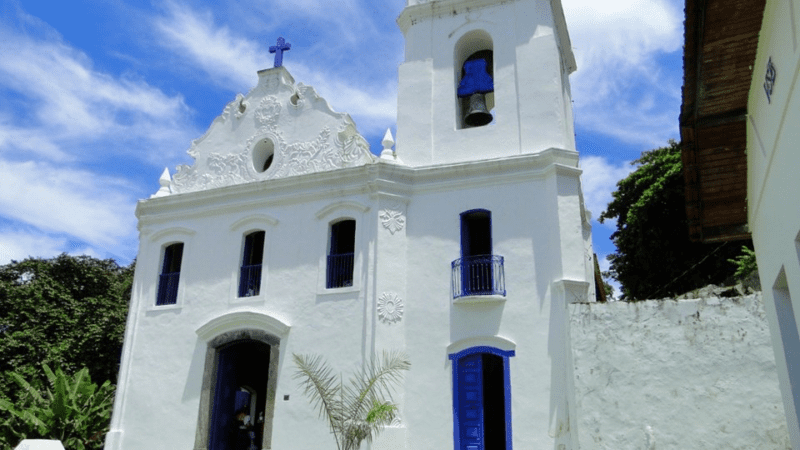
(720, 47)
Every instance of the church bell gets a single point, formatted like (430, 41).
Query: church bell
(475, 84)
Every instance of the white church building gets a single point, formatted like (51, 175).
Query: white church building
(462, 246)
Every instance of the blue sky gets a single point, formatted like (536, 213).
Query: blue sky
(98, 96)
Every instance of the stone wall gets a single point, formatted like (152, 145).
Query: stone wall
(685, 374)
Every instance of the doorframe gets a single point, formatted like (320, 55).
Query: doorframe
(210, 378)
(455, 359)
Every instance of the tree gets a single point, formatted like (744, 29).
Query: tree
(67, 312)
(72, 409)
(358, 410)
(654, 257)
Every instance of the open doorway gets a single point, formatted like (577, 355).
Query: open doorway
(238, 409)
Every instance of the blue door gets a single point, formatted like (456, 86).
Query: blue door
(470, 403)
(222, 413)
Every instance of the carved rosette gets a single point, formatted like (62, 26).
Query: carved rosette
(393, 219)
(390, 308)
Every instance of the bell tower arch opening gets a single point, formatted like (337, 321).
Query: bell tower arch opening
(473, 61)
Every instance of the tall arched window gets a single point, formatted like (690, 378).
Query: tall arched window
(478, 271)
(170, 275)
(252, 258)
(341, 254)
(481, 399)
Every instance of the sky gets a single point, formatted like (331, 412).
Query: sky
(97, 97)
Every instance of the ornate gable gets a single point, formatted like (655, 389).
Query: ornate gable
(277, 130)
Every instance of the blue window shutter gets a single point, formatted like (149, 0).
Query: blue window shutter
(222, 410)
(170, 275)
(470, 402)
(247, 255)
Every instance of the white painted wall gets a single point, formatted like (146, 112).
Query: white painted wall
(687, 374)
(164, 357)
(773, 163)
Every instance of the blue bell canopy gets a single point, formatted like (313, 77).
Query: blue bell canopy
(476, 79)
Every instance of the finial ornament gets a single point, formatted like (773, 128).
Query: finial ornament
(279, 49)
(388, 143)
(163, 181)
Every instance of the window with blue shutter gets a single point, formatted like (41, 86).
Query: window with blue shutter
(478, 271)
(341, 254)
(252, 259)
(170, 275)
(482, 399)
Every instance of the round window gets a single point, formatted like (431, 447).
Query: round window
(263, 152)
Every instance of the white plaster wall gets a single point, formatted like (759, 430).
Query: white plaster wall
(688, 374)
(532, 105)
(164, 358)
(773, 164)
(528, 234)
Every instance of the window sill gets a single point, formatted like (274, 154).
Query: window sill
(164, 308)
(476, 299)
(250, 299)
(339, 290)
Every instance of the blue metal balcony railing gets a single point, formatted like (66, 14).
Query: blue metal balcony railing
(250, 280)
(168, 288)
(340, 270)
(478, 275)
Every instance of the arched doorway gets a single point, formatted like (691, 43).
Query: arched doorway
(240, 393)
(241, 371)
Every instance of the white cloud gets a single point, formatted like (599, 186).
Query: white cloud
(91, 208)
(599, 180)
(232, 62)
(619, 89)
(18, 245)
(56, 101)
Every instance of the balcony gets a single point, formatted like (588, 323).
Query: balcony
(481, 275)
(250, 280)
(340, 270)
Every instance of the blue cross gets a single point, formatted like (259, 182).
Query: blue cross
(278, 50)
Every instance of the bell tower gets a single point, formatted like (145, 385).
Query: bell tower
(483, 79)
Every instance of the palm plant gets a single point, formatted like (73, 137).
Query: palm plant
(356, 411)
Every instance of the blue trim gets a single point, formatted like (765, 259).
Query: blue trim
(455, 358)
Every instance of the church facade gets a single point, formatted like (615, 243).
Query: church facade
(462, 246)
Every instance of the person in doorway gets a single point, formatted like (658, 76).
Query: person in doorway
(241, 438)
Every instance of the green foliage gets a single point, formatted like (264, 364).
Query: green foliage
(72, 409)
(745, 263)
(654, 257)
(68, 312)
(357, 410)
(608, 287)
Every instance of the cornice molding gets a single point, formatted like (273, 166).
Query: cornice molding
(367, 180)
